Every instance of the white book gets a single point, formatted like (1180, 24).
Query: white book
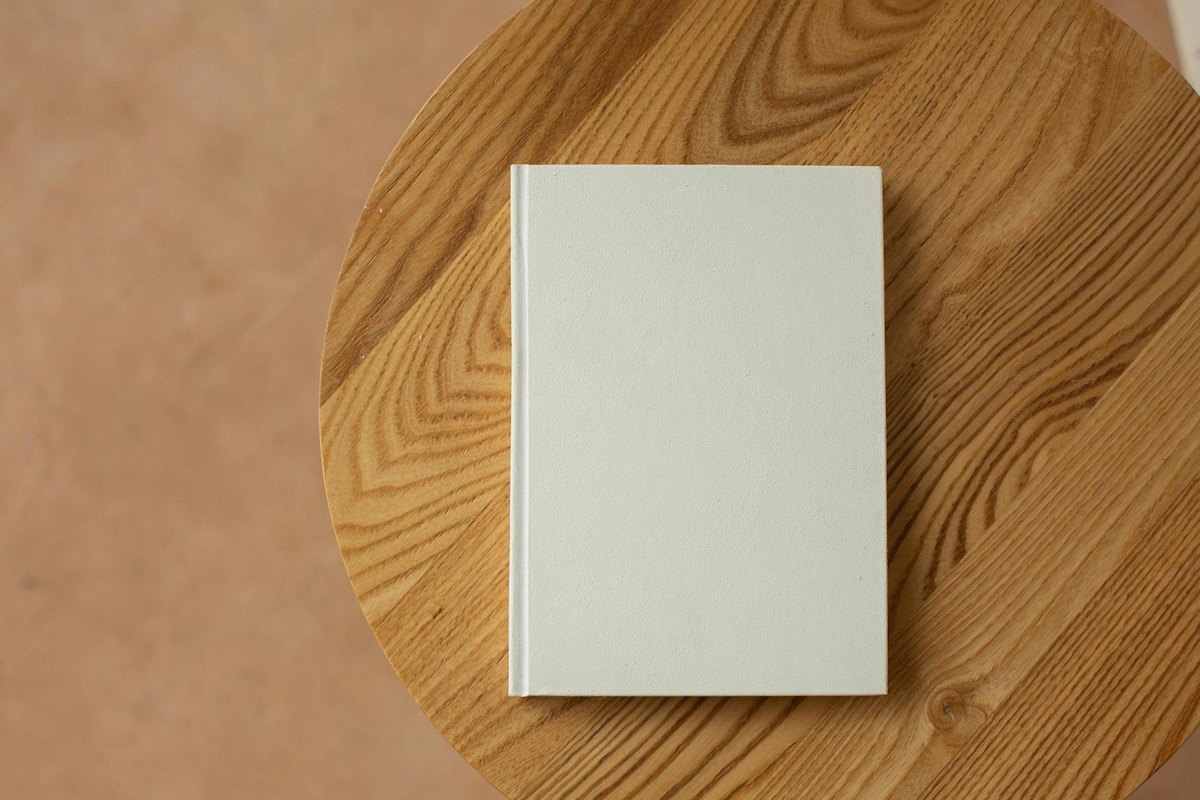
(698, 434)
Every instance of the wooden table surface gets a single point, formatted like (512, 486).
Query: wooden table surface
(1041, 185)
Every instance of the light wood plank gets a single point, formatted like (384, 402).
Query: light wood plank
(1041, 190)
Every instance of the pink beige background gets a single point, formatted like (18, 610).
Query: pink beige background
(178, 181)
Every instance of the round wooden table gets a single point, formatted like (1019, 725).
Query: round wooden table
(1042, 184)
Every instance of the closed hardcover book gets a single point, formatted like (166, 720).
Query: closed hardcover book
(698, 479)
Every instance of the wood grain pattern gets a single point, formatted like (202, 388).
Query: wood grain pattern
(1042, 183)
(439, 183)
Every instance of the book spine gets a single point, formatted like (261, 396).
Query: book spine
(518, 592)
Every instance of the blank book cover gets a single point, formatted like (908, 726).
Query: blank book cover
(698, 477)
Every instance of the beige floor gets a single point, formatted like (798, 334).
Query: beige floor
(177, 183)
